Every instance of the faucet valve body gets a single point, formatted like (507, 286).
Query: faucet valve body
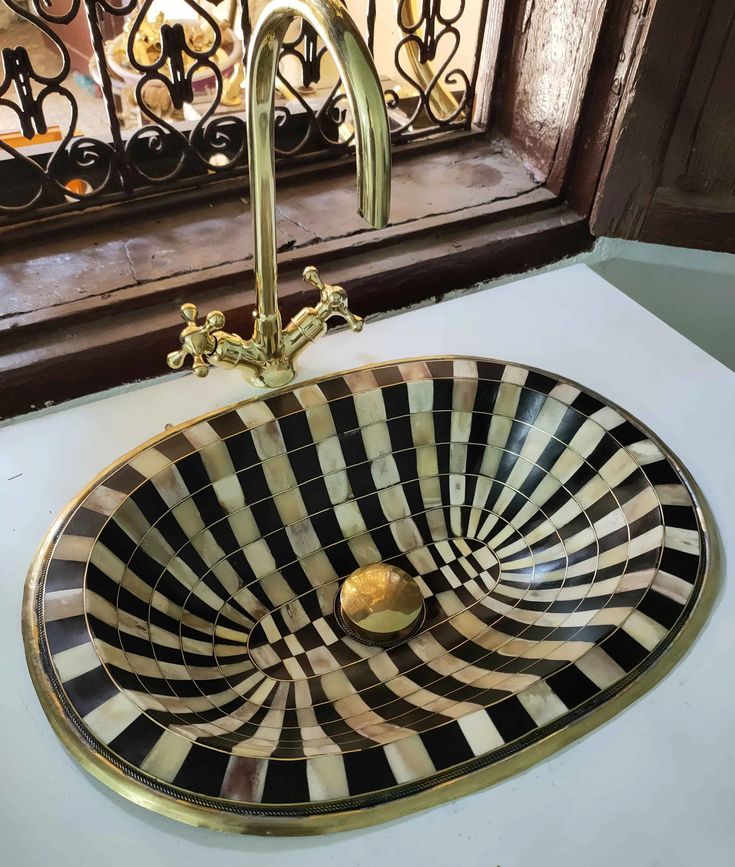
(209, 345)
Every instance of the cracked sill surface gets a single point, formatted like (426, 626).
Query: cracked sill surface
(134, 252)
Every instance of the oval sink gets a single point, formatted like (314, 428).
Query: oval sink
(180, 618)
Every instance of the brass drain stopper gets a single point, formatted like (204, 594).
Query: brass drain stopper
(380, 604)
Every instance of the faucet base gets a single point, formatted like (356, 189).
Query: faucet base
(274, 375)
(268, 359)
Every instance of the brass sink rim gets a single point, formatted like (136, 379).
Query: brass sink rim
(347, 814)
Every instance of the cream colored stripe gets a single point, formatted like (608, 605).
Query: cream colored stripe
(600, 668)
(63, 603)
(465, 368)
(327, 778)
(108, 563)
(75, 548)
(480, 732)
(111, 718)
(149, 463)
(673, 495)
(645, 452)
(644, 629)
(517, 375)
(167, 756)
(672, 587)
(408, 759)
(309, 396)
(564, 392)
(104, 500)
(255, 414)
(607, 417)
(679, 539)
(542, 704)
(202, 435)
(75, 661)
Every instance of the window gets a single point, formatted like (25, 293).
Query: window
(114, 100)
(123, 183)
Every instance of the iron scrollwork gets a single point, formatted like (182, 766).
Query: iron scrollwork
(74, 157)
(431, 36)
(189, 124)
(176, 76)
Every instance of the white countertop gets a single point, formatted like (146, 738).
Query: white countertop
(655, 786)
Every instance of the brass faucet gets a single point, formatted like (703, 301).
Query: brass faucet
(268, 358)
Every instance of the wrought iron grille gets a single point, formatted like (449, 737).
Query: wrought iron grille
(105, 100)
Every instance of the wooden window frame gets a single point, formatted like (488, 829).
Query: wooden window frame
(71, 349)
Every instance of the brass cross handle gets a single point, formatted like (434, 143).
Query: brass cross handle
(332, 300)
(196, 340)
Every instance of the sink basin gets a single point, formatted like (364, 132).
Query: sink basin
(180, 621)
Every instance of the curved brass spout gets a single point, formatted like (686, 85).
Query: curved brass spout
(268, 357)
(360, 80)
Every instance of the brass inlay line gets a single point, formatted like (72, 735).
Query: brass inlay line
(227, 554)
(333, 815)
(510, 639)
(549, 436)
(481, 444)
(409, 449)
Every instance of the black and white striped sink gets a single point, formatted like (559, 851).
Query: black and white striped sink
(180, 618)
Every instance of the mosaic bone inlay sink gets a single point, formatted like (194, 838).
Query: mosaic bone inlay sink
(179, 619)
